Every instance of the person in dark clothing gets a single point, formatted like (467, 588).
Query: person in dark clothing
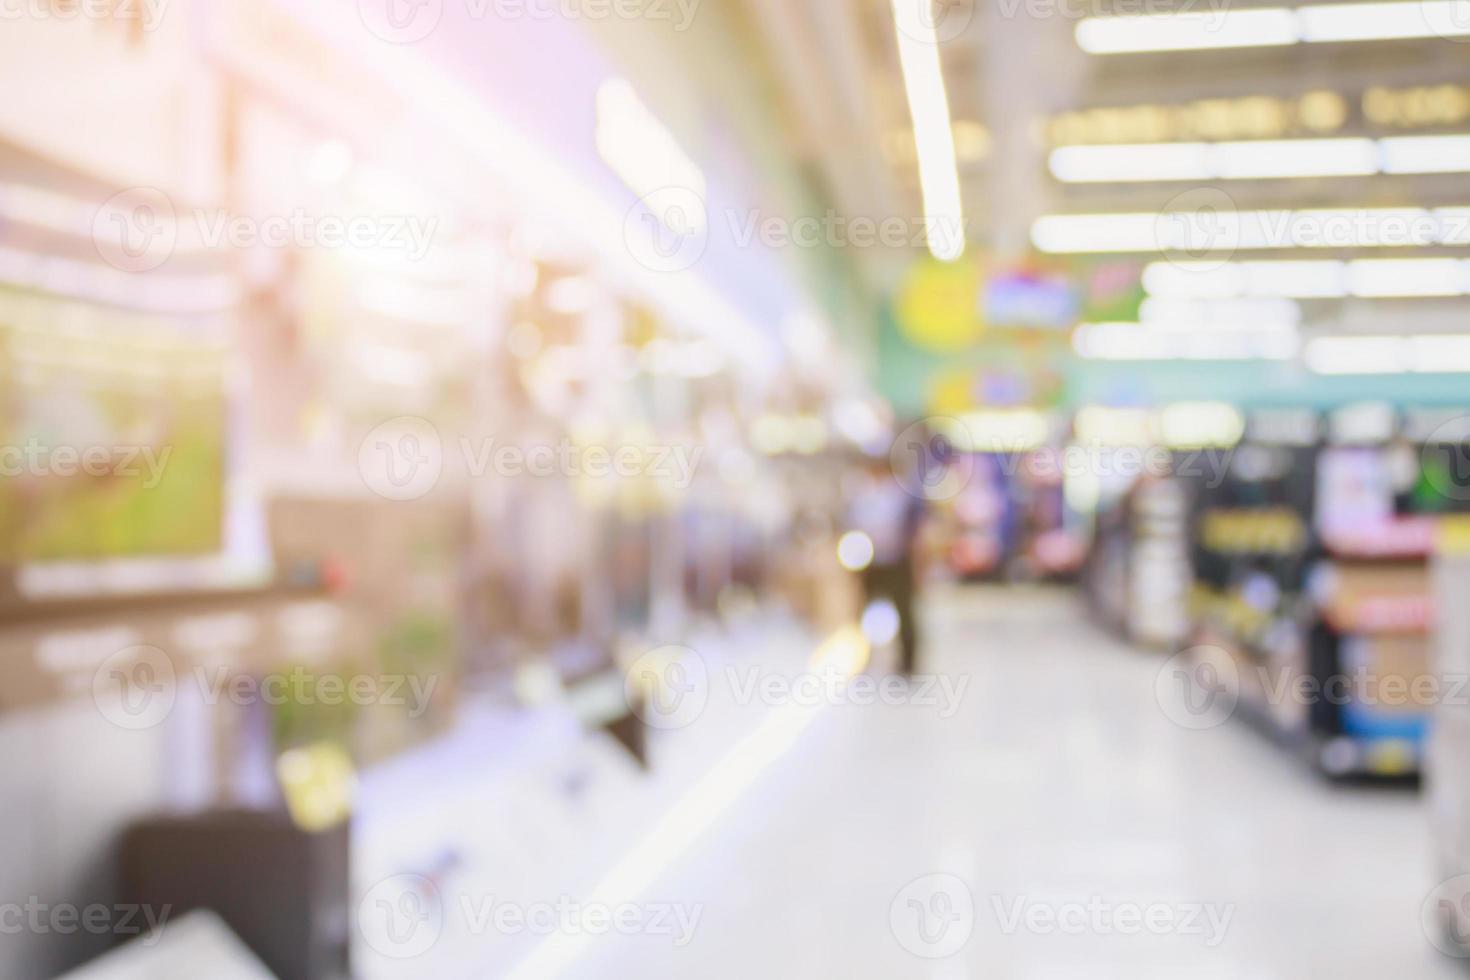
(891, 518)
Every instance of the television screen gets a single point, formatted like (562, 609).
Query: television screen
(111, 435)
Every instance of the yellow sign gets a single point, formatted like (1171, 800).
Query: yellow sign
(1454, 536)
(939, 306)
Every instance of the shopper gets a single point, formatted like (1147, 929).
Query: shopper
(891, 518)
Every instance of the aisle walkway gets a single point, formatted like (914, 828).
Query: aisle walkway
(1087, 834)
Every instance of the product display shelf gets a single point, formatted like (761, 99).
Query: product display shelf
(1448, 779)
(1376, 613)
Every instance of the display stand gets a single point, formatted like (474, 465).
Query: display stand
(1448, 780)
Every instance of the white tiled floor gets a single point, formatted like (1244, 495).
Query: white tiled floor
(1058, 781)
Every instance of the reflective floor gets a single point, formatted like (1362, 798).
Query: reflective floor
(1056, 824)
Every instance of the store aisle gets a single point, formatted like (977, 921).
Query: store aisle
(1092, 836)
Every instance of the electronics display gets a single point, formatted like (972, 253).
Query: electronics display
(1312, 575)
(117, 429)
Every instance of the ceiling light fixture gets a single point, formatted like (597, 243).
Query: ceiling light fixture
(923, 78)
(1209, 230)
(1274, 27)
(1260, 159)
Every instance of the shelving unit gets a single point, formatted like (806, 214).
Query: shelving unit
(1449, 739)
(1312, 568)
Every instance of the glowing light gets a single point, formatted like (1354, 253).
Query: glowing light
(880, 622)
(1357, 355)
(329, 162)
(1418, 354)
(638, 147)
(855, 551)
(1004, 431)
(1274, 27)
(1185, 342)
(720, 788)
(1251, 159)
(1096, 425)
(1201, 233)
(1200, 425)
(1408, 277)
(1261, 159)
(939, 177)
(1187, 31)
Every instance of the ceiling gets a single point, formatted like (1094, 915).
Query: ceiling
(1012, 64)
